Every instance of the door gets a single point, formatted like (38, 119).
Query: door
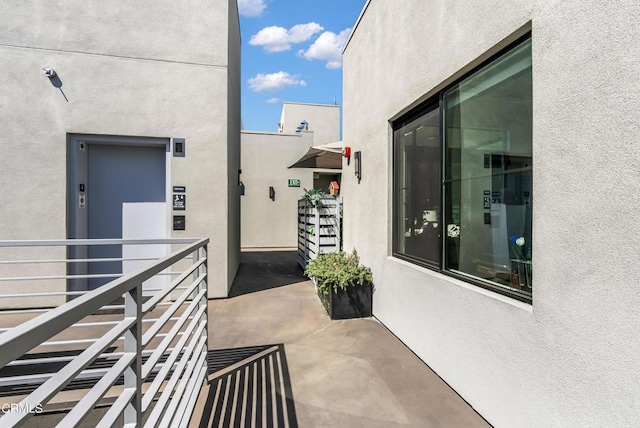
(119, 178)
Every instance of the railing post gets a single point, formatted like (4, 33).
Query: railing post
(196, 273)
(133, 343)
(205, 267)
(316, 225)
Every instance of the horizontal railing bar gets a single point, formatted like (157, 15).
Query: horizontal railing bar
(91, 276)
(164, 318)
(59, 380)
(97, 260)
(99, 323)
(52, 277)
(86, 404)
(109, 355)
(79, 242)
(56, 293)
(48, 310)
(81, 341)
(185, 411)
(38, 379)
(74, 341)
(163, 304)
(116, 409)
(191, 371)
(169, 388)
(173, 356)
(151, 303)
(160, 349)
(20, 339)
(42, 377)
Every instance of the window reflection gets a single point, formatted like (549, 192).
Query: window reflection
(488, 172)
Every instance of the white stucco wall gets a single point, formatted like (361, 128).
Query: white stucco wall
(266, 157)
(323, 120)
(570, 358)
(149, 69)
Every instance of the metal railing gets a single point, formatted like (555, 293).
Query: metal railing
(111, 354)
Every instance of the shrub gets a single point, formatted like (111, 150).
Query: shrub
(338, 270)
(313, 197)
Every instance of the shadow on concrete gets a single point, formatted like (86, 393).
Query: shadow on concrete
(249, 387)
(263, 270)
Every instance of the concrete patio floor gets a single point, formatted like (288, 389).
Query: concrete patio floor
(351, 373)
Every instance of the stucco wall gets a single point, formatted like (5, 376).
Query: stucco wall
(128, 70)
(233, 143)
(323, 120)
(570, 358)
(265, 160)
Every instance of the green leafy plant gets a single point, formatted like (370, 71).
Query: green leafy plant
(338, 270)
(313, 197)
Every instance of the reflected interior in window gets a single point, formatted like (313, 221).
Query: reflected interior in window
(463, 195)
(488, 172)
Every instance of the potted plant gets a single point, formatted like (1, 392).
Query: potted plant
(313, 197)
(345, 287)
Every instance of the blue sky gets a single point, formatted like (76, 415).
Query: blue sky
(291, 52)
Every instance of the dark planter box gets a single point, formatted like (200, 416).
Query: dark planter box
(354, 302)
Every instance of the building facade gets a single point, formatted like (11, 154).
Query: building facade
(110, 110)
(500, 175)
(269, 218)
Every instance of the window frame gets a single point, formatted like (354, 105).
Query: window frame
(437, 102)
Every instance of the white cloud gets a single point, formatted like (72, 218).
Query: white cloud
(274, 82)
(279, 39)
(273, 101)
(251, 8)
(328, 47)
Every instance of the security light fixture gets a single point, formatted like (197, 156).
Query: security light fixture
(357, 161)
(49, 72)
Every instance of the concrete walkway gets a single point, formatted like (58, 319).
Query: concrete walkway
(352, 373)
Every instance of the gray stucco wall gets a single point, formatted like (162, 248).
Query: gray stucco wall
(127, 70)
(570, 358)
(265, 158)
(233, 143)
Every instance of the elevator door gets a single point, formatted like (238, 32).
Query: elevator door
(118, 175)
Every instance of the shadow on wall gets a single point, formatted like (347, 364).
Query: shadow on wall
(263, 270)
(55, 81)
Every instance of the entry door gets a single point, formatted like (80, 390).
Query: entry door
(119, 176)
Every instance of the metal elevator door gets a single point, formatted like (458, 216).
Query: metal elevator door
(118, 174)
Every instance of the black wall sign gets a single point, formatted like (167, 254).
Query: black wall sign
(179, 202)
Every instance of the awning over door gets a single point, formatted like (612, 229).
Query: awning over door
(326, 156)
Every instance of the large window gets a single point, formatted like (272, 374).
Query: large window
(463, 177)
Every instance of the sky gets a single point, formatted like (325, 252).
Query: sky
(291, 51)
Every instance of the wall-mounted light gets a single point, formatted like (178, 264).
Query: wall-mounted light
(272, 193)
(357, 161)
(49, 72)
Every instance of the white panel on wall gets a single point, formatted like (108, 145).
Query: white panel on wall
(144, 220)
